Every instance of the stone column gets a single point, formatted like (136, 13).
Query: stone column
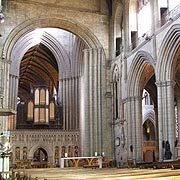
(10, 87)
(92, 101)
(85, 131)
(135, 135)
(64, 103)
(129, 129)
(70, 103)
(139, 133)
(77, 101)
(95, 99)
(171, 125)
(156, 133)
(133, 126)
(160, 121)
(178, 114)
(67, 104)
(60, 91)
(166, 119)
(13, 87)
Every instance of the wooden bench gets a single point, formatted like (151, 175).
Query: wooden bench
(91, 166)
(175, 166)
(159, 165)
(131, 163)
(144, 165)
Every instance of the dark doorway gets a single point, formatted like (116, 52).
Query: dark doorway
(40, 155)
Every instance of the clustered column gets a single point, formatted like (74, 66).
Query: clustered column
(134, 128)
(91, 85)
(166, 119)
(13, 86)
(69, 97)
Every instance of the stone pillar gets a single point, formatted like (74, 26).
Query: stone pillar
(60, 91)
(77, 101)
(92, 102)
(91, 120)
(156, 133)
(139, 133)
(178, 108)
(64, 103)
(129, 130)
(166, 119)
(69, 96)
(135, 134)
(95, 99)
(85, 133)
(133, 126)
(70, 103)
(13, 87)
(99, 100)
(160, 121)
(171, 125)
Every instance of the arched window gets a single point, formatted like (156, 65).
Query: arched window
(41, 108)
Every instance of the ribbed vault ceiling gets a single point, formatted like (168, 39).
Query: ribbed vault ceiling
(58, 53)
(38, 67)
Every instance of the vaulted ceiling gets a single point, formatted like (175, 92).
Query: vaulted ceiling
(57, 55)
(38, 67)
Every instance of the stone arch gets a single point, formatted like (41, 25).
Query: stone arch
(140, 72)
(48, 40)
(20, 38)
(151, 116)
(140, 62)
(43, 146)
(167, 67)
(115, 73)
(41, 22)
(168, 55)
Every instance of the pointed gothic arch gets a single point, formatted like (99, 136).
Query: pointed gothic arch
(95, 54)
(140, 72)
(169, 54)
(43, 146)
(140, 62)
(166, 70)
(42, 22)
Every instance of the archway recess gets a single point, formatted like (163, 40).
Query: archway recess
(93, 56)
(141, 74)
(42, 22)
(168, 68)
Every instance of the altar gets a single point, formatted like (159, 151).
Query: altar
(77, 159)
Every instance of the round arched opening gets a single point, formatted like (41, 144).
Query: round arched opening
(40, 155)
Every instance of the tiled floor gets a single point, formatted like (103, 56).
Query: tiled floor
(103, 174)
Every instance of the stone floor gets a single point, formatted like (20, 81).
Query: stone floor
(102, 174)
